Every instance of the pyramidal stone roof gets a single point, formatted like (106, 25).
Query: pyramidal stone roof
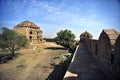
(87, 33)
(27, 23)
(112, 34)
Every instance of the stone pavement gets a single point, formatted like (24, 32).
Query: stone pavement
(83, 66)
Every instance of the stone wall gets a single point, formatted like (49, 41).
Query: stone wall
(116, 67)
(49, 39)
(20, 30)
(106, 51)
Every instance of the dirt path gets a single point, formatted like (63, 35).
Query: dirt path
(32, 64)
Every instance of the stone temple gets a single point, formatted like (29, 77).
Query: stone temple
(30, 30)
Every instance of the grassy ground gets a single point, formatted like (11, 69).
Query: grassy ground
(34, 63)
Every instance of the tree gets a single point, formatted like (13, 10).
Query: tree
(11, 41)
(66, 38)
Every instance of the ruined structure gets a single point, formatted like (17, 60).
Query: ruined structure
(86, 35)
(116, 66)
(30, 30)
(106, 51)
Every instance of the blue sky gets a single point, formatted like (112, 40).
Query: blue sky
(54, 15)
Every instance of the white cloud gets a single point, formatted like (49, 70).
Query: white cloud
(77, 15)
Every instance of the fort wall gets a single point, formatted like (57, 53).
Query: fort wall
(106, 51)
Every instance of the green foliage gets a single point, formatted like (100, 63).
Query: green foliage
(66, 38)
(11, 41)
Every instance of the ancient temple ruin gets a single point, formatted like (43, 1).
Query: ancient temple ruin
(30, 30)
(86, 35)
(105, 52)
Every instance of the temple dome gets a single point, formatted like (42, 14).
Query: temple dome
(86, 35)
(27, 24)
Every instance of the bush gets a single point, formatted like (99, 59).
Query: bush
(67, 39)
(11, 41)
